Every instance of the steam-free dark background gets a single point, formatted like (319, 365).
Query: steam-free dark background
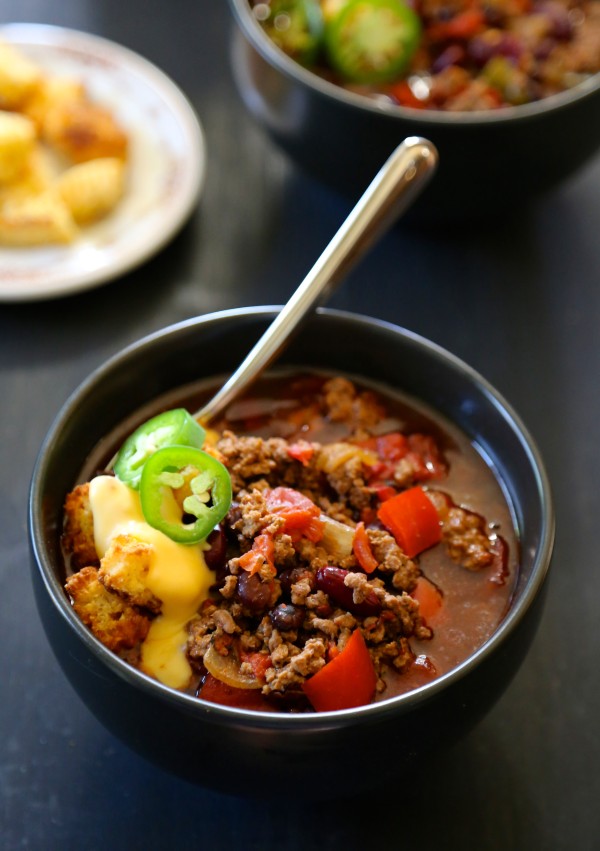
(518, 298)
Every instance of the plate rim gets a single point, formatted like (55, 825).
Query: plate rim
(76, 281)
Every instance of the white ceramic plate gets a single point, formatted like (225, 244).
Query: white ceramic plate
(165, 170)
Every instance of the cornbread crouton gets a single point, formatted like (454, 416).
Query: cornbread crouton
(37, 176)
(78, 535)
(40, 219)
(19, 77)
(81, 131)
(118, 625)
(51, 92)
(17, 141)
(91, 189)
(124, 570)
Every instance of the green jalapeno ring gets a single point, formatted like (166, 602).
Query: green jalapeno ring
(296, 27)
(372, 41)
(169, 469)
(171, 428)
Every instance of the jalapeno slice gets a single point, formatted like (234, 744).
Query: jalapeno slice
(372, 41)
(180, 482)
(176, 427)
(296, 26)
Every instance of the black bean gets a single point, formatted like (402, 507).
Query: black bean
(216, 554)
(285, 616)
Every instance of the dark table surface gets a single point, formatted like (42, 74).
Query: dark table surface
(519, 300)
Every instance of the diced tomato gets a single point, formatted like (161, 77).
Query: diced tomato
(389, 447)
(429, 598)
(259, 662)
(462, 26)
(347, 681)
(301, 451)
(431, 458)
(263, 550)
(300, 513)
(383, 491)
(421, 672)
(361, 548)
(412, 519)
(405, 96)
(216, 691)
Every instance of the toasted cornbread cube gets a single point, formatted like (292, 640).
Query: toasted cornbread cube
(81, 131)
(37, 220)
(49, 94)
(92, 189)
(113, 621)
(78, 535)
(17, 141)
(124, 570)
(19, 77)
(37, 177)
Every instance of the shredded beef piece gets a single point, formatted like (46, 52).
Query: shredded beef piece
(228, 587)
(344, 404)
(325, 625)
(249, 458)
(392, 560)
(343, 465)
(225, 622)
(253, 517)
(464, 534)
(299, 665)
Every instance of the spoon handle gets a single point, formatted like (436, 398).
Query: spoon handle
(390, 193)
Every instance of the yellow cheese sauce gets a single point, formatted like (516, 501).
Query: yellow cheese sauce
(178, 576)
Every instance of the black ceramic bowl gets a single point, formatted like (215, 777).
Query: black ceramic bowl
(490, 162)
(239, 750)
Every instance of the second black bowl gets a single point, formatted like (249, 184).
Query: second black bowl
(490, 162)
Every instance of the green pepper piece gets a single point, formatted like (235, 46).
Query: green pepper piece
(296, 27)
(179, 481)
(176, 427)
(372, 41)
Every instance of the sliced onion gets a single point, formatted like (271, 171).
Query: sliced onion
(337, 537)
(227, 669)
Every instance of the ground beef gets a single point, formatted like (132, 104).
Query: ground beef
(291, 589)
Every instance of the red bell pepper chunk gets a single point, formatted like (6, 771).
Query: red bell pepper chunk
(361, 548)
(405, 96)
(347, 681)
(429, 598)
(300, 513)
(412, 519)
(301, 451)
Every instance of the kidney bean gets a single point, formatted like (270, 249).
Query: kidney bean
(216, 554)
(285, 616)
(253, 592)
(454, 54)
(331, 581)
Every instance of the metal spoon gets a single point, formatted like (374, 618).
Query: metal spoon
(391, 192)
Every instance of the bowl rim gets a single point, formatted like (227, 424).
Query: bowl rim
(285, 721)
(323, 88)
